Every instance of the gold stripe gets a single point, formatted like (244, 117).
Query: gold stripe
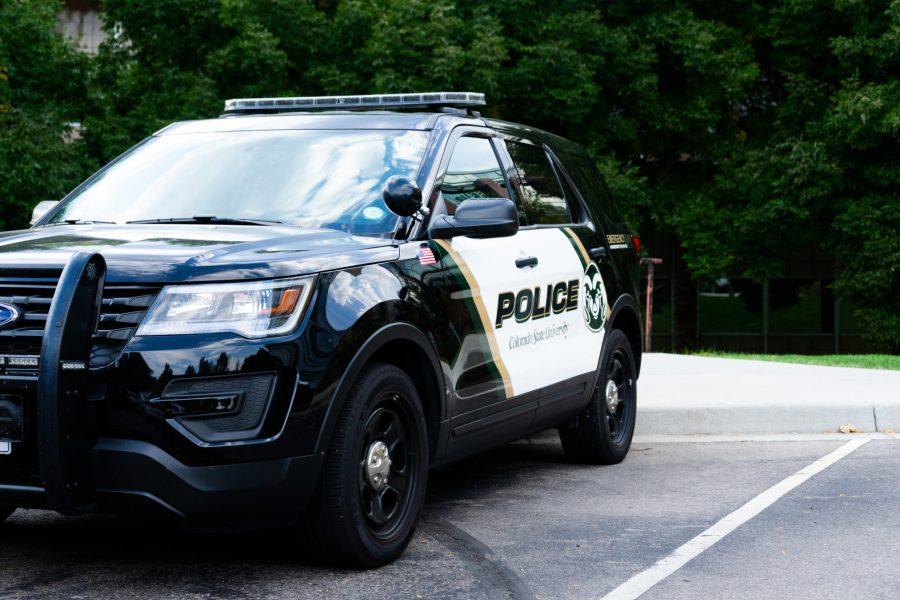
(486, 323)
(578, 245)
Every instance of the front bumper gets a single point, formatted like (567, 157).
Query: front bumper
(204, 427)
(135, 476)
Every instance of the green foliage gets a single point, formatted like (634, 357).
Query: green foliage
(41, 89)
(868, 239)
(744, 130)
(36, 165)
(820, 164)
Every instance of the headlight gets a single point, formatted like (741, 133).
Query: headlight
(253, 309)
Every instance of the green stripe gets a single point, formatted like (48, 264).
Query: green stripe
(474, 316)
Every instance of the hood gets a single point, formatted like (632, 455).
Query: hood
(180, 253)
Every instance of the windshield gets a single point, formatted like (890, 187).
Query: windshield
(330, 179)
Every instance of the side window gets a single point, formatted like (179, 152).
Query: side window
(575, 213)
(473, 172)
(590, 183)
(542, 197)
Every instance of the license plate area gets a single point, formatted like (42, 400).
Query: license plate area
(11, 419)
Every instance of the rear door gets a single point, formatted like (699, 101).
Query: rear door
(563, 361)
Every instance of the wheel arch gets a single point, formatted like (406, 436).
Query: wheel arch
(408, 348)
(626, 316)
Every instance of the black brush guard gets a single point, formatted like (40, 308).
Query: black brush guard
(135, 475)
(63, 446)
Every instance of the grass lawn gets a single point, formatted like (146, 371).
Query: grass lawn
(862, 361)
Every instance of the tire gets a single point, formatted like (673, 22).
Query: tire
(600, 435)
(5, 512)
(356, 519)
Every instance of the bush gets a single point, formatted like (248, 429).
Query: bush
(42, 91)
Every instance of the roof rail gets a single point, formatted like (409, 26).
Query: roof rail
(314, 103)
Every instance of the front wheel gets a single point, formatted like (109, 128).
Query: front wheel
(372, 486)
(602, 433)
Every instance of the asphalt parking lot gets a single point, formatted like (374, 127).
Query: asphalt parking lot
(520, 522)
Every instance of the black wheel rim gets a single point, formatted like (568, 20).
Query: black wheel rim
(618, 414)
(384, 507)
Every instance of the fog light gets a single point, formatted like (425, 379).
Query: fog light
(217, 409)
(200, 406)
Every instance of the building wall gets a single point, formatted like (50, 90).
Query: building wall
(80, 21)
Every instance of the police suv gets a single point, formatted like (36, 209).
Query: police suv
(286, 316)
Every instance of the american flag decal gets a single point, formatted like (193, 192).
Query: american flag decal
(426, 256)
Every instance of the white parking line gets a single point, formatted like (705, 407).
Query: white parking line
(645, 580)
(761, 437)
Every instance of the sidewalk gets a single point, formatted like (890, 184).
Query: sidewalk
(687, 395)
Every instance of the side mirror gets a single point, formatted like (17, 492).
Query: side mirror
(42, 208)
(478, 218)
(402, 196)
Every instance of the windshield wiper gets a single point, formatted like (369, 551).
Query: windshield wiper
(204, 219)
(82, 222)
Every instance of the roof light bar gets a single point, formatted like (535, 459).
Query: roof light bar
(435, 99)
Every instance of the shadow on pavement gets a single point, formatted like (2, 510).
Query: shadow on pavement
(42, 551)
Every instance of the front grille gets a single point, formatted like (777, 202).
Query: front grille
(122, 310)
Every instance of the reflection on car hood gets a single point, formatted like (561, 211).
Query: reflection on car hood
(171, 253)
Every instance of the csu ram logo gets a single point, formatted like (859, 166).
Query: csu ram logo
(594, 293)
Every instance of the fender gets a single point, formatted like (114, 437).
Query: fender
(627, 302)
(394, 331)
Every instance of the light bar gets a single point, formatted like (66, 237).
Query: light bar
(437, 99)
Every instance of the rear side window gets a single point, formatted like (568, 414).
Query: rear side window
(543, 199)
(474, 172)
(590, 183)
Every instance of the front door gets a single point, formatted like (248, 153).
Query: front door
(480, 379)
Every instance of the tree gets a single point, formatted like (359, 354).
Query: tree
(820, 162)
(740, 130)
(41, 93)
(650, 88)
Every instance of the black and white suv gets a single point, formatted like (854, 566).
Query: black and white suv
(288, 315)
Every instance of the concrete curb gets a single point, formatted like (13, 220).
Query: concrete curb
(694, 395)
(887, 414)
(756, 419)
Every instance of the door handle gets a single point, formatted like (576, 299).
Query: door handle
(598, 253)
(531, 261)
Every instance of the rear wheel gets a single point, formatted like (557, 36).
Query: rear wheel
(372, 486)
(602, 433)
